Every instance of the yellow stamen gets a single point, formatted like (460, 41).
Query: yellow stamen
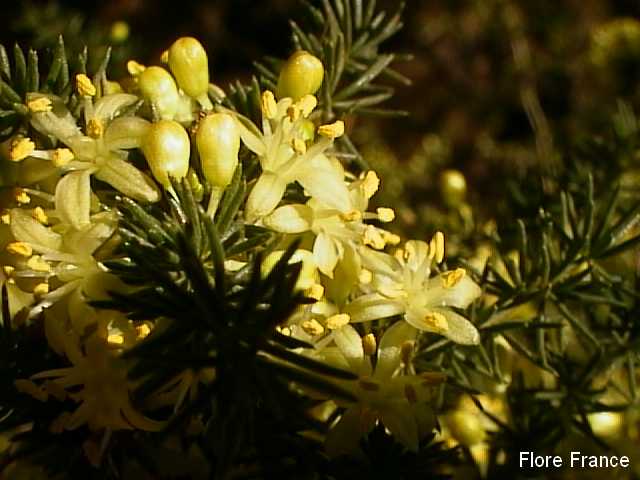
(332, 130)
(95, 128)
(134, 68)
(436, 247)
(369, 344)
(370, 184)
(41, 289)
(20, 248)
(365, 276)
(436, 322)
(338, 321)
(284, 331)
(61, 156)
(5, 218)
(399, 254)
(21, 148)
(452, 278)
(385, 214)
(38, 264)
(316, 291)
(312, 327)
(37, 105)
(307, 104)
(268, 105)
(299, 146)
(142, 331)
(115, 339)
(391, 238)
(164, 57)
(84, 86)
(369, 385)
(373, 237)
(39, 214)
(22, 197)
(8, 270)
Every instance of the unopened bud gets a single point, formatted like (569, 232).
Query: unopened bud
(218, 142)
(189, 64)
(301, 75)
(158, 87)
(453, 187)
(166, 148)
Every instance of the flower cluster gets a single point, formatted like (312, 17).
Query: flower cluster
(58, 230)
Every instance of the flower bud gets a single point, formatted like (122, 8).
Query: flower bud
(157, 86)
(166, 148)
(218, 142)
(189, 64)
(301, 75)
(453, 187)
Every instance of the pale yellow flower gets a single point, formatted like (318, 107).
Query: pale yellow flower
(335, 230)
(390, 393)
(101, 152)
(98, 382)
(284, 160)
(402, 285)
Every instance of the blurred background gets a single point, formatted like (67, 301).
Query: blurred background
(499, 86)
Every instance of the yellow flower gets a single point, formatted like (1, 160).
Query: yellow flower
(282, 163)
(98, 382)
(102, 153)
(403, 285)
(335, 230)
(65, 256)
(390, 393)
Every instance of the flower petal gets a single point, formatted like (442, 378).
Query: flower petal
(126, 132)
(350, 344)
(400, 422)
(460, 330)
(58, 122)
(128, 180)
(108, 106)
(290, 219)
(459, 295)
(27, 229)
(390, 348)
(322, 181)
(373, 307)
(73, 199)
(265, 196)
(325, 252)
(249, 134)
(345, 436)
